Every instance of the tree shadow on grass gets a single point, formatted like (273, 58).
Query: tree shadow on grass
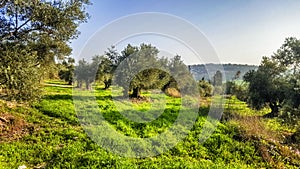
(58, 97)
(55, 107)
(106, 97)
(66, 116)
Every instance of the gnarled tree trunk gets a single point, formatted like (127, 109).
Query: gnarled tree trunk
(136, 92)
(274, 110)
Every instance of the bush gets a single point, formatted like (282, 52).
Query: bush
(296, 136)
(239, 90)
(19, 74)
(205, 88)
(290, 114)
(173, 92)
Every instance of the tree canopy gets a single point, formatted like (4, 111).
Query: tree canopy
(41, 29)
(276, 81)
(66, 71)
(136, 71)
(136, 68)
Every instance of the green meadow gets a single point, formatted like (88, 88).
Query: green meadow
(50, 135)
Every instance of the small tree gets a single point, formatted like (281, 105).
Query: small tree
(267, 86)
(205, 88)
(108, 64)
(105, 72)
(288, 56)
(136, 68)
(66, 72)
(237, 89)
(276, 82)
(86, 72)
(142, 69)
(218, 79)
(180, 76)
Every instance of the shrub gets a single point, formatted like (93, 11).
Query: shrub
(19, 73)
(239, 90)
(205, 88)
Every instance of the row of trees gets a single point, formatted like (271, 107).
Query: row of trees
(274, 84)
(33, 35)
(134, 69)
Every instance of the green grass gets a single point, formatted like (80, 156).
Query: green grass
(234, 105)
(59, 141)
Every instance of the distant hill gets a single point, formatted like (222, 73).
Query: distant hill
(204, 70)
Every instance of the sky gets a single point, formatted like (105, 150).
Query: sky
(239, 31)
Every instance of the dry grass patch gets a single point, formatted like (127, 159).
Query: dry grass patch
(269, 143)
(12, 127)
(254, 128)
(173, 92)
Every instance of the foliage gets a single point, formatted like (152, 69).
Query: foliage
(108, 64)
(137, 68)
(290, 114)
(66, 71)
(206, 89)
(105, 72)
(289, 57)
(19, 76)
(217, 83)
(136, 73)
(239, 90)
(45, 28)
(142, 69)
(179, 76)
(267, 85)
(218, 78)
(86, 72)
(276, 82)
(100, 69)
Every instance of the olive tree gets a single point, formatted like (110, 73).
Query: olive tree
(42, 29)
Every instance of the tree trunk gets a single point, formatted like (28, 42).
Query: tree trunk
(136, 92)
(79, 84)
(164, 88)
(106, 85)
(70, 82)
(274, 110)
(87, 85)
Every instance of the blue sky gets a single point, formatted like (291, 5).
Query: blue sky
(241, 31)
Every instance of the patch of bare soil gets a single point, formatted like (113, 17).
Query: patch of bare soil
(12, 127)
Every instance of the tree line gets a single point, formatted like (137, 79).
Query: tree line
(134, 69)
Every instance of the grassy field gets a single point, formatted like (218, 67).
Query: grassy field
(49, 135)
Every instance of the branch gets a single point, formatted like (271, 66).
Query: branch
(16, 19)
(23, 24)
(37, 29)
